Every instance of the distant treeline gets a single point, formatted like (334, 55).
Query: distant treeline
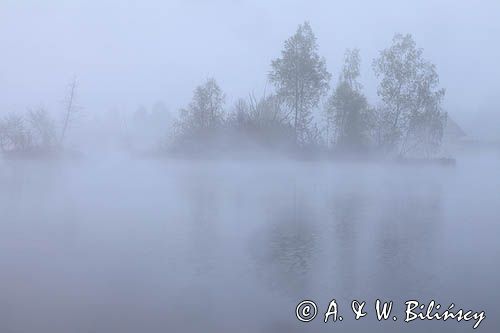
(36, 131)
(408, 120)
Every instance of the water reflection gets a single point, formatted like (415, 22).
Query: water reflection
(287, 247)
(409, 221)
(347, 217)
(177, 246)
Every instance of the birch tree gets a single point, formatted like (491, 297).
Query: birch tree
(300, 78)
(347, 109)
(411, 99)
(205, 112)
(70, 109)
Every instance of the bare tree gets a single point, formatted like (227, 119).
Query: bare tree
(260, 122)
(43, 128)
(14, 135)
(70, 109)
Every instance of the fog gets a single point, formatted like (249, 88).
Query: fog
(162, 171)
(130, 53)
(127, 246)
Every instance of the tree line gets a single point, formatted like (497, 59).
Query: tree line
(408, 119)
(304, 112)
(36, 131)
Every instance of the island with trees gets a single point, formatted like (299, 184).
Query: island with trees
(407, 122)
(307, 112)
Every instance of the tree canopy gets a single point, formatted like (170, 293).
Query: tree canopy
(411, 114)
(300, 77)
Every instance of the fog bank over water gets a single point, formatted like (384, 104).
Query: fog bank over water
(128, 53)
(121, 245)
(205, 166)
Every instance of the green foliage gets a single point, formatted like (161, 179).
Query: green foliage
(347, 109)
(408, 120)
(411, 111)
(205, 112)
(300, 78)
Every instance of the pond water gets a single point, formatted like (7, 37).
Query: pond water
(123, 245)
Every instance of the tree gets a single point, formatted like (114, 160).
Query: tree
(70, 108)
(260, 121)
(3, 135)
(205, 112)
(347, 110)
(258, 111)
(43, 128)
(411, 112)
(34, 131)
(300, 78)
(14, 135)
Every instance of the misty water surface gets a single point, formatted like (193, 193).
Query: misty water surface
(122, 245)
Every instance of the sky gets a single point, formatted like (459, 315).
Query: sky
(131, 53)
